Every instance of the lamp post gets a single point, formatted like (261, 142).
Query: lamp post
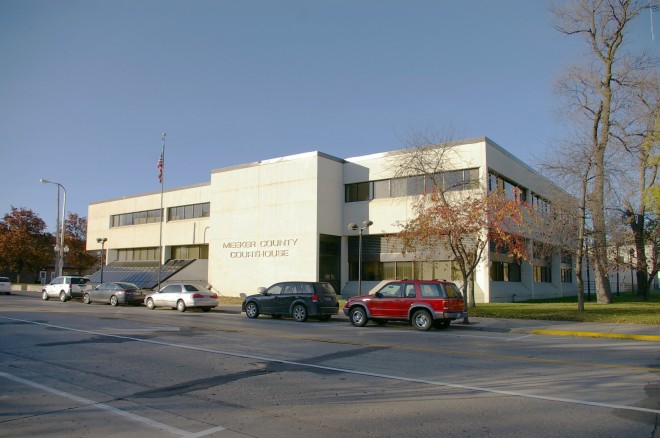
(355, 227)
(102, 241)
(632, 273)
(59, 247)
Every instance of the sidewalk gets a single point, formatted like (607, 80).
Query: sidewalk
(637, 332)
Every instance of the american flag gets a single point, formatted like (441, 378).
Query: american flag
(160, 168)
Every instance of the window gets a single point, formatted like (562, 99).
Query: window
(190, 252)
(505, 271)
(191, 211)
(391, 291)
(566, 275)
(399, 187)
(127, 255)
(136, 218)
(358, 192)
(497, 183)
(542, 274)
(461, 179)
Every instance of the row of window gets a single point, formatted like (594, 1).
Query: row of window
(136, 218)
(191, 211)
(183, 252)
(510, 271)
(516, 192)
(413, 185)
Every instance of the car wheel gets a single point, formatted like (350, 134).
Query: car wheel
(114, 301)
(252, 310)
(358, 316)
(206, 309)
(44, 295)
(299, 313)
(87, 299)
(62, 296)
(324, 317)
(180, 306)
(422, 320)
(441, 323)
(150, 304)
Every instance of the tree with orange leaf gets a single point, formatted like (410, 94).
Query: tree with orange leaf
(466, 226)
(462, 221)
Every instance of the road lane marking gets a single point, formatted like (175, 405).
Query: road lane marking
(87, 402)
(354, 372)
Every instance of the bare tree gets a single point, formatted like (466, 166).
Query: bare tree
(571, 166)
(597, 91)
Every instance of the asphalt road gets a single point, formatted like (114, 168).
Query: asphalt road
(70, 369)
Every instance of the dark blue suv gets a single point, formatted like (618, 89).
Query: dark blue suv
(298, 299)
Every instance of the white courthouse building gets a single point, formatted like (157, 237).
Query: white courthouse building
(287, 219)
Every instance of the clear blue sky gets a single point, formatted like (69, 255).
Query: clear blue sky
(88, 86)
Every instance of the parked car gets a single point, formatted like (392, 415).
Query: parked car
(298, 299)
(423, 303)
(181, 297)
(65, 287)
(115, 293)
(5, 286)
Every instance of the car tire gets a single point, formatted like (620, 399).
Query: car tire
(358, 316)
(150, 304)
(299, 313)
(252, 310)
(87, 299)
(63, 296)
(114, 301)
(44, 295)
(441, 323)
(180, 306)
(422, 320)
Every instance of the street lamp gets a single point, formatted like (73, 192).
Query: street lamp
(59, 247)
(355, 227)
(102, 241)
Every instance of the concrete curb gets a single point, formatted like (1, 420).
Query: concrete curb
(635, 337)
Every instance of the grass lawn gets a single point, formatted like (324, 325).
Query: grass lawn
(627, 308)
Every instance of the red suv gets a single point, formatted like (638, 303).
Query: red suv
(423, 303)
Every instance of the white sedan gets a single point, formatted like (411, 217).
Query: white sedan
(181, 297)
(5, 286)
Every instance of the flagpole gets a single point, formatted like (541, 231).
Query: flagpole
(161, 177)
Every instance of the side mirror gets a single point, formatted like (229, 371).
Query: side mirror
(261, 290)
(378, 295)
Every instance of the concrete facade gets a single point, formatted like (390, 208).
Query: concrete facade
(286, 219)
